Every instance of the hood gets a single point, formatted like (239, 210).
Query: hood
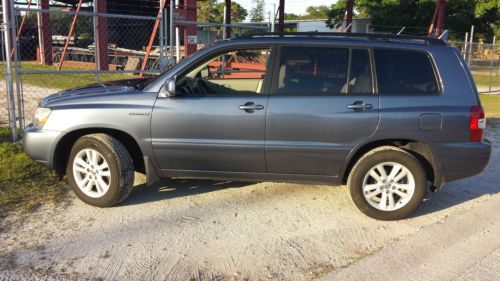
(95, 90)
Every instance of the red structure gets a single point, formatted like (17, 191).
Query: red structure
(68, 39)
(438, 19)
(349, 11)
(190, 8)
(281, 20)
(102, 37)
(227, 20)
(46, 36)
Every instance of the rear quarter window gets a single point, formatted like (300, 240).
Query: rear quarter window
(405, 72)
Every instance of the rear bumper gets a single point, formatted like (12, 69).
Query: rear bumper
(40, 145)
(462, 160)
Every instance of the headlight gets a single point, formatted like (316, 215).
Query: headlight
(41, 116)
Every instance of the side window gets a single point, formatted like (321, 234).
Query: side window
(234, 72)
(309, 71)
(402, 72)
(305, 70)
(360, 75)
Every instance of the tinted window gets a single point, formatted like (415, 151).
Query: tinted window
(405, 72)
(306, 70)
(312, 70)
(360, 75)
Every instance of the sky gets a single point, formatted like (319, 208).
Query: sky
(291, 6)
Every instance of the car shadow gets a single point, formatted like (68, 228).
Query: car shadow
(178, 187)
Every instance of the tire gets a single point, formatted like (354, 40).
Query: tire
(105, 187)
(371, 189)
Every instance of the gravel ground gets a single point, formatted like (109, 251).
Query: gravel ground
(213, 230)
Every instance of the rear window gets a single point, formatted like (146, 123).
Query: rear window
(402, 72)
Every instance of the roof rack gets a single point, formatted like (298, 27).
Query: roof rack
(345, 35)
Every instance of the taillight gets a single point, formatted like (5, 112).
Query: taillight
(477, 123)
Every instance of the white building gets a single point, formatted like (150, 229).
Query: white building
(358, 25)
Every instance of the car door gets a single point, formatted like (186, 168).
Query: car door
(216, 121)
(321, 106)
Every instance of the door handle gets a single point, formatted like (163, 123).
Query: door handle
(360, 105)
(251, 107)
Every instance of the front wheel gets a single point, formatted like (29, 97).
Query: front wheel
(387, 183)
(100, 170)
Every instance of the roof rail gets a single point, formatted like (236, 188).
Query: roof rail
(345, 35)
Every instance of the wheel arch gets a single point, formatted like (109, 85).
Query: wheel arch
(65, 144)
(418, 149)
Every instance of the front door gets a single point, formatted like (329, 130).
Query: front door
(321, 106)
(216, 121)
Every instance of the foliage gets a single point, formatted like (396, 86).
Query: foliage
(316, 12)
(206, 10)
(61, 23)
(213, 11)
(238, 13)
(336, 14)
(312, 12)
(257, 12)
(417, 15)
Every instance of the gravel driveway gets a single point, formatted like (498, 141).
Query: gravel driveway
(213, 230)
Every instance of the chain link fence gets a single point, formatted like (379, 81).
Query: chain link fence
(75, 53)
(484, 62)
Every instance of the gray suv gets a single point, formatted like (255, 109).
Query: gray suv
(390, 116)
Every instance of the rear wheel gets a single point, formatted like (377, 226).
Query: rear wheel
(387, 183)
(100, 170)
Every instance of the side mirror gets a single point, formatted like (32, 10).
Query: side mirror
(169, 90)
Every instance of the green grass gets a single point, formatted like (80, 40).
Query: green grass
(24, 184)
(485, 80)
(63, 81)
(491, 104)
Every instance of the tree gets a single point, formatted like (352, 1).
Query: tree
(257, 13)
(316, 12)
(238, 13)
(392, 15)
(290, 16)
(206, 10)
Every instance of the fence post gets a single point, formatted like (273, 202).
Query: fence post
(161, 37)
(177, 39)
(20, 102)
(171, 32)
(8, 73)
(492, 54)
(96, 52)
(465, 45)
(470, 47)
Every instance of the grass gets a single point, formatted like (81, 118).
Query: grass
(63, 81)
(484, 80)
(24, 184)
(491, 104)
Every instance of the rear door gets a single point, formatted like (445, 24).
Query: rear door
(321, 106)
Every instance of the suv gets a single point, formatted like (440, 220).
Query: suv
(389, 116)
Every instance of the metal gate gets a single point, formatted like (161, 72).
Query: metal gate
(47, 50)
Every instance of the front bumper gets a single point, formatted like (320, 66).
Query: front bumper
(40, 145)
(462, 160)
